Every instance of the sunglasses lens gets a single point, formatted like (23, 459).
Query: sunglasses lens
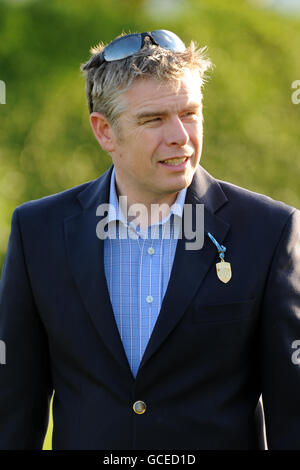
(168, 40)
(123, 47)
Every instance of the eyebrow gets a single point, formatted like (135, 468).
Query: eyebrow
(148, 114)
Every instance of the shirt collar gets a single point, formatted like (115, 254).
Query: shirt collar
(115, 213)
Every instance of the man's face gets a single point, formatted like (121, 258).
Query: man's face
(159, 145)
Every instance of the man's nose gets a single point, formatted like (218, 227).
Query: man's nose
(176, 133)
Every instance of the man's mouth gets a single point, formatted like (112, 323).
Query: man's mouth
(175, 161)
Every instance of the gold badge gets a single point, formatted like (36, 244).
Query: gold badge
(224, 271)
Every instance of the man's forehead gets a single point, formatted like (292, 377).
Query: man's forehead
(148, 93)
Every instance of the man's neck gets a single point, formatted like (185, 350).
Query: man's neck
(143, 211)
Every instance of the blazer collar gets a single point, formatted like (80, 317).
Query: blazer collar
(206, 190)
(97, 192)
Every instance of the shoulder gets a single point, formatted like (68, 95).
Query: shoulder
(238, 205)
(57, 205)
(252, 206)
(65, 203)
(256, 215)
(262, 221)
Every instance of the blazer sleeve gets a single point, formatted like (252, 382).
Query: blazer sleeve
(280, 341)
(25, 379)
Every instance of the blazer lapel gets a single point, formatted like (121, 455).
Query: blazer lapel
(190, 266)
(85, 253)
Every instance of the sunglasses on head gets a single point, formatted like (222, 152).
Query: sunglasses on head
(126, 46)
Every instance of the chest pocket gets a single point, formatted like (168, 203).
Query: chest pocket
(223, 312)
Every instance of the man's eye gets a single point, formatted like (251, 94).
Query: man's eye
(191, 114)
(156, 119)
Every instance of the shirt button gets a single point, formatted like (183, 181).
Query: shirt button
(149, 299)
(151, 251)
(139, 407)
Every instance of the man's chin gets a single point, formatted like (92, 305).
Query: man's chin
(181, 182)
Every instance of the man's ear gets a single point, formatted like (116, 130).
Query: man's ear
(103, 131)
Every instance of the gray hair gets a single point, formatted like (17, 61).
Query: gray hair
(105, 83)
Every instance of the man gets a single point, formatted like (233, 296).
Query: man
(148, 342)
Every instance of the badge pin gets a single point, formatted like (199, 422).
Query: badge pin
(224, 271)
(223, 268)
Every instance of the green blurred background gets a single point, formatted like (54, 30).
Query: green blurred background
(251, 128)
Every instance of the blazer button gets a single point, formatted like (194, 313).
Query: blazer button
(139, 407)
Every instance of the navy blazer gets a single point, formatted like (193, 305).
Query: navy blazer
(214, 350)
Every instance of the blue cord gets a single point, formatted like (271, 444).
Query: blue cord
(221, 249)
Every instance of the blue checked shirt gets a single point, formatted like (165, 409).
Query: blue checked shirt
(137, 268)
